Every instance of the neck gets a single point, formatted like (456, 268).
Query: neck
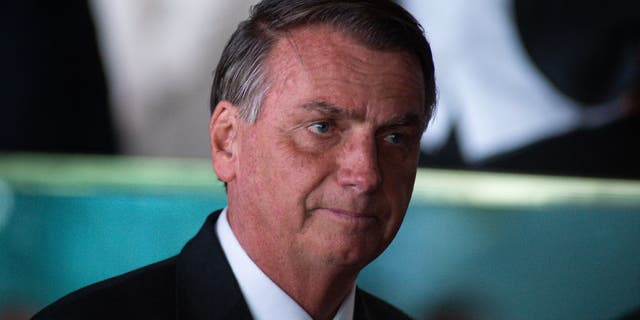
(318, 292)
(319, 288)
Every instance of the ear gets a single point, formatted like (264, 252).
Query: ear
(223, 127)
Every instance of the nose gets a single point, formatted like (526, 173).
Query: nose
(358, 166)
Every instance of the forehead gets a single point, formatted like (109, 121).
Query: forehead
(322, 63)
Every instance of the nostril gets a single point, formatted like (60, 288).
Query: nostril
(364, 176)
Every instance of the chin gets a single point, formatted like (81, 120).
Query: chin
(350, 254)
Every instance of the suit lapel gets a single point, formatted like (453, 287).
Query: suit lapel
(360, 311)
(206, 287)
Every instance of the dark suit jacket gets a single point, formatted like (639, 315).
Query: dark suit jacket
(196, 284)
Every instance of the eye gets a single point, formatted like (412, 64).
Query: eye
(320, 127)
(394, 138)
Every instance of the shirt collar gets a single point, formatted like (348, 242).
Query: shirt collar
(264, 298)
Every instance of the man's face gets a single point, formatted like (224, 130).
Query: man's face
(326, 172)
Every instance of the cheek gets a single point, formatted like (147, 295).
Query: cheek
(256, 165)
(303, 163)
(398, 192)
(398, 184)
(281, 173)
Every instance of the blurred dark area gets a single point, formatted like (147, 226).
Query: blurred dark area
(610, 151)
(460, 306)
(590, 51)
(54, 97)
(632, 315)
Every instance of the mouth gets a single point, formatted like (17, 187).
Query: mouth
(350, 216)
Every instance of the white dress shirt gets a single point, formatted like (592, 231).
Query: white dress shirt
(264, 298)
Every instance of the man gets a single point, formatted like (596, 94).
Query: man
(318, 109)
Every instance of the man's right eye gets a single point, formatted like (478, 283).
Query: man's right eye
(320, 127)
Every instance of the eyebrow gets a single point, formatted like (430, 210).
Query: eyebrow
(406, 120)
(324, 107)
(409, 120)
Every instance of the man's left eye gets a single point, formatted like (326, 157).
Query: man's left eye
(394, 138)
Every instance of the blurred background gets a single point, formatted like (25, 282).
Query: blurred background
(527, 205)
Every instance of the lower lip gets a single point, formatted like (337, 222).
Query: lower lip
(350, 216)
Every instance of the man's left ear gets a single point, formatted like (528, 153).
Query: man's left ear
(223, 127)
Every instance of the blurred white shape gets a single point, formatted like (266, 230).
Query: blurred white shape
(160, 57)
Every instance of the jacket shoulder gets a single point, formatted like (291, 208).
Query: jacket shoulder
(371, 307)
(145, 293)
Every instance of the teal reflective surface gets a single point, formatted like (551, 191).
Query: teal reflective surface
(496, 246)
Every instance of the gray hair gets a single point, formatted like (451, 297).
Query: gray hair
(375, 24)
